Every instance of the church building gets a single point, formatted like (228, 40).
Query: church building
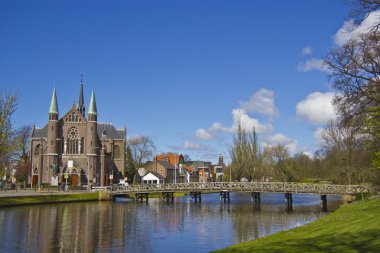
(77, 149)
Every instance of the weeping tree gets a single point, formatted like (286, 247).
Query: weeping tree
(245, 155)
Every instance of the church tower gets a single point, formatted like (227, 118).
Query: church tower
(81, 107)
(52, 139)
(92, 142)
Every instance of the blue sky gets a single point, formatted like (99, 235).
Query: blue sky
(181, 72)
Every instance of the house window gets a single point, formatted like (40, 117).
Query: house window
(116, 152)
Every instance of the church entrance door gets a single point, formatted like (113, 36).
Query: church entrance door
(34, 180)
(74, 179)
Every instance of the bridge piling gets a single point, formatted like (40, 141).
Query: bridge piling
(324, 203)
(168, 196)
(196, 196)
(224, 195)
(289, 198)
(255, 197)
(141, 196)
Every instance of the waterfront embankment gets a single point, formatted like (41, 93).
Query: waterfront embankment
(13, 198)
(352, 228)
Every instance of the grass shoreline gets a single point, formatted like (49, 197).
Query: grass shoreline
(47, 199)
(353, 227)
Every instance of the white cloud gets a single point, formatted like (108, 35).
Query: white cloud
(261, 102)
(283, 140)
(188, 145)
(312, 64)
(279, 139)
(203, 134)
(317, 108)
(241, 117)
(307, 50)
(349, 30)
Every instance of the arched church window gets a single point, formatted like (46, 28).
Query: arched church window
(72, 141)
(37, 149)
(82, 145)
(63, 144)
(116, 152)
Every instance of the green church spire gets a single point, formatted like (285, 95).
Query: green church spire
(92, 108)
(53, 104)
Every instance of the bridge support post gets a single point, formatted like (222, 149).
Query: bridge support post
(289, 201)
(289, 198)
(196, 196)
(141, 196)
(224, 195)
(255, 197)
(324, 203)
(168, 196)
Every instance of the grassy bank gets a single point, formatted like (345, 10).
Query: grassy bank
(25, 200)
(352, 228)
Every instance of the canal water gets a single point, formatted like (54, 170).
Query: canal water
(125, 226)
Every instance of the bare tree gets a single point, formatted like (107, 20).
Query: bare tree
(23, 141)
(8, 106)
(362, 8)
(142, 148)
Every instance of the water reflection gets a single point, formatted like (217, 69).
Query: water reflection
(182, 226)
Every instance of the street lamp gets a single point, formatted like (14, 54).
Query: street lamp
(66, 176)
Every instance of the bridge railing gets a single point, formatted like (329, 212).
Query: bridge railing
(283, 187)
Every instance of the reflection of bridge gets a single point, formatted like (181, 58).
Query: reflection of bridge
(224, 188)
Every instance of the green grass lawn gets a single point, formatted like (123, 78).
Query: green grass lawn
(23, 200)
(352, 228)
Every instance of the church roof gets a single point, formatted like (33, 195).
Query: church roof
(40, 132)
(110, 132)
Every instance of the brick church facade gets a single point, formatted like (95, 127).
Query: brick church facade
(76, 148)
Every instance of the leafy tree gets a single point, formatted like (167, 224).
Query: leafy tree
(130, 168)
(277, 156)
(346, 153)
(245, 155)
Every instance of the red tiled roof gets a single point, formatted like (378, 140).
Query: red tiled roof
(172, 158)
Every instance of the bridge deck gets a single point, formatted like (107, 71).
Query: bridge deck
(281, 187)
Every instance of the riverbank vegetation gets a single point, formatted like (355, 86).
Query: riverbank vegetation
(45, 199)
(352, 228)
